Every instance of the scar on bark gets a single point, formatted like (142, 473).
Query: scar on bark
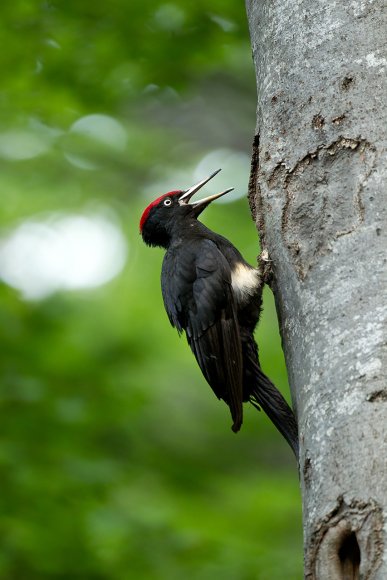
(253, 189)
(311, 223)
(307, 470)
(347, 543)
(377, 397)
(255, 202)
(339, 119)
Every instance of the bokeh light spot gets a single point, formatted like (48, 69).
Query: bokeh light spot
(169, 17)
(93, 136)
(235, 172)
(65, 252)
(18, 144)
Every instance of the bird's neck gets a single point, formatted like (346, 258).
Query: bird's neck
(187, 230)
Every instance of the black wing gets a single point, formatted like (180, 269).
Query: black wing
(196, 285)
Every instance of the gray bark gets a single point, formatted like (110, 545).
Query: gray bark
(317, 192)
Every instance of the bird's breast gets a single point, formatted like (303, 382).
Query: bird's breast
(245, 281)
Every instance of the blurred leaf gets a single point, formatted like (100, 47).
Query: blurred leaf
(116, 459)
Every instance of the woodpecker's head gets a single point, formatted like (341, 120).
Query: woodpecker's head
(172, 211)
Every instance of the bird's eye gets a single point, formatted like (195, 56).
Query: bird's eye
(167, 201)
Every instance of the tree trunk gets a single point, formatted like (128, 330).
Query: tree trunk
(316, 192)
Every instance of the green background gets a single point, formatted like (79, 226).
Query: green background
(116, 459)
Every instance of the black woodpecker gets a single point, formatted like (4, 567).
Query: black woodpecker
(215, 296)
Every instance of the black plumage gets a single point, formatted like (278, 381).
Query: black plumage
(214, 295)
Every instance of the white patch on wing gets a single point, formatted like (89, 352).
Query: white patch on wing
(244, 281)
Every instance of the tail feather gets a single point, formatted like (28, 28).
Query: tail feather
(267, 396)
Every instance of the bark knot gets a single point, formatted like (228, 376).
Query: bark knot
(346, 83)
(318, 122)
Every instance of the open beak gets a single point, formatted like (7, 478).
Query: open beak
(202, 203)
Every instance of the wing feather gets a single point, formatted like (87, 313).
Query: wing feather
(198, 299)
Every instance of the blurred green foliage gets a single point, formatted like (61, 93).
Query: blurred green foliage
(116, 459)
